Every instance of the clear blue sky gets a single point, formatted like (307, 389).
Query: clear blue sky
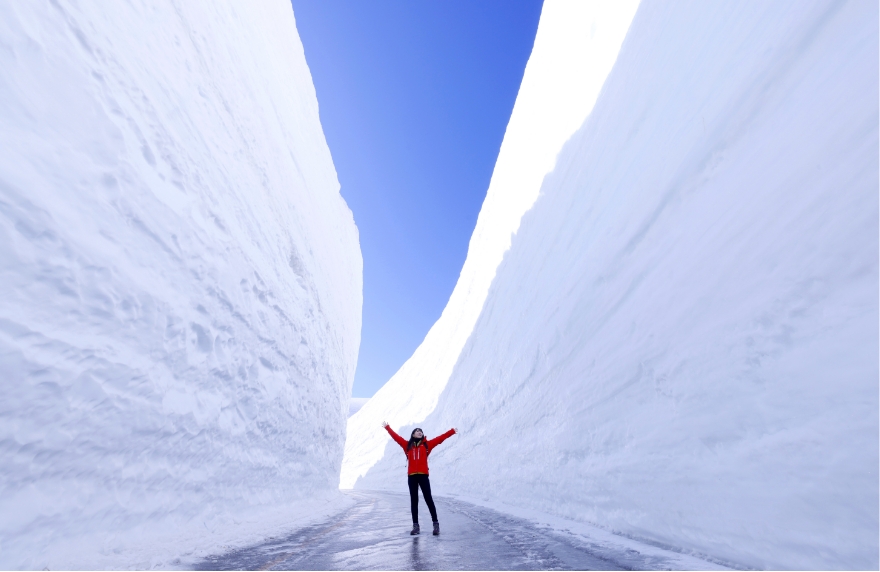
(414, 98)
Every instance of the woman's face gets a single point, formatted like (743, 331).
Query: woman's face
(418, 434)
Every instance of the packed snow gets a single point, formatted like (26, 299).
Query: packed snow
(681, 344)
(180, 279)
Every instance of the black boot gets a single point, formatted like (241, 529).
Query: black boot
(436, 528)
(415, 529)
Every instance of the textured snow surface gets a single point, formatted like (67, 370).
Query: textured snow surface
(180, 281)
(562, 79)
(681, 344)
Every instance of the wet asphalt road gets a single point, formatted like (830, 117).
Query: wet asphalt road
(374, 535)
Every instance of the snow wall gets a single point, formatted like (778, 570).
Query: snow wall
(180, 280)
(560, 84)
(681, 344)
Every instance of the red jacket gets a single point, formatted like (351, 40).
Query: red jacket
(418, 455)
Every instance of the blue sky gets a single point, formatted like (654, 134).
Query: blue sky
(414, 98)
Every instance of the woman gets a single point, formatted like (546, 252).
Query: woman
(417, 450)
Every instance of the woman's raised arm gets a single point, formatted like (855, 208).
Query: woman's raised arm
(437, 440)
(400, 440)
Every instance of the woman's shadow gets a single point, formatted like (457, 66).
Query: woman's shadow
(415, 555)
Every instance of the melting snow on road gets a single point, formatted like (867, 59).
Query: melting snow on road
(373, 534)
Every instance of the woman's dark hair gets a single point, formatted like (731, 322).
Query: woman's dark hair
(414, 442)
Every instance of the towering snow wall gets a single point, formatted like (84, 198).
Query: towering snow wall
(561, 82)
(682, 342)
(180, 280)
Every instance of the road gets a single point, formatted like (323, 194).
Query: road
(374, 535)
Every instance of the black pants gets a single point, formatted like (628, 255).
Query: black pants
(416, 481)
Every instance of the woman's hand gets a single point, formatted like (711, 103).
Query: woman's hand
(456, 430)
(384, 424)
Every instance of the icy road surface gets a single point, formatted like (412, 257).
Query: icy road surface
(374, 535)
